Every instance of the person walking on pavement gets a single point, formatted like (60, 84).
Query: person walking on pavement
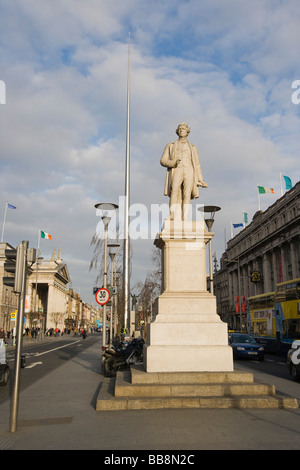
(2, 335)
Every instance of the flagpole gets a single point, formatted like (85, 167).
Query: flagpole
(281, 189)
(39, 237)
(231, 231)
(36, 273)
(258, 199)
(126, 222)
(4, 220)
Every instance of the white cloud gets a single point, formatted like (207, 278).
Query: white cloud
(224, 67)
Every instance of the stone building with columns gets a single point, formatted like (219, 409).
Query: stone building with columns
(268, 247)
(46, 293)
(49, 303)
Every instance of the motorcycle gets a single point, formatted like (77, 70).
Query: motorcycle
(122, 356)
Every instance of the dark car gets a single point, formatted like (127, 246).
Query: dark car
(245, 346)
(293, 360)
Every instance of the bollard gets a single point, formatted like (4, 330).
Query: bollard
(23, 361)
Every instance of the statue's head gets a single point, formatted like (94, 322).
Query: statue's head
(183, 124)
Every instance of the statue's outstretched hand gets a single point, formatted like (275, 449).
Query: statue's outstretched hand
(202, 183)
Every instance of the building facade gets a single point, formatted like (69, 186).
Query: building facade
(266, 252)
(46, 302)
(49, 304)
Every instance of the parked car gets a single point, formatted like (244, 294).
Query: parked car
(293, 360)
(245, 346)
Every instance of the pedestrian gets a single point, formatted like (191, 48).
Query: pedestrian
(14, 333)
(2, 334)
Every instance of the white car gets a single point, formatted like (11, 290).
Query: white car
(293, 360)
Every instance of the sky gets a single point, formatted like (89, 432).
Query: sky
(226, 67)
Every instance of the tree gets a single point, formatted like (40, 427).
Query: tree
(151, 288)
(97, 262)
(55, 316)
(32, 317)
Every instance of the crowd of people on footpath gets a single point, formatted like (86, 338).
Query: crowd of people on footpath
(7, 335)
(74, 330)
(34, 332)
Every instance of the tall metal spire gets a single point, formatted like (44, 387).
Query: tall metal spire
(126, 288)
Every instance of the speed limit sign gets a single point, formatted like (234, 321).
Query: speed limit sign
(102, 296)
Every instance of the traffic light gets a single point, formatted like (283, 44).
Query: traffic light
(14, 265)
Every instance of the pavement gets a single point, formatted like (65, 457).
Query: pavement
(58, 412)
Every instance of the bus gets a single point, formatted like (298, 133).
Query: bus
(262, 314)
(276, 315)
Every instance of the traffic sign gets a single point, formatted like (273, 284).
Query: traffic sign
(102, 296)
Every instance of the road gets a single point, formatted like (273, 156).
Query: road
(44, 356)
(57, 410)
(274, 371)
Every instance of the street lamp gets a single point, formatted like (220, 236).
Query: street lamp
(209, 223)
(107, 210)
(37, 262)
(113, 250)
(237, 261)
(117, 282)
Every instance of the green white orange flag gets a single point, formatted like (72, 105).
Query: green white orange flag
(263, 190)
(45, 235)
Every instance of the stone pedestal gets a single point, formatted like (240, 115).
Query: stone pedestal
(187, 334)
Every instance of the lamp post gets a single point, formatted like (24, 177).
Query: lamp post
(209, 223)
(116, 279)
(237, 261)
(36, 309)
(107, 209)
(113, 250)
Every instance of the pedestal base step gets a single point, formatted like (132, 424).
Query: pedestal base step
(136, 389)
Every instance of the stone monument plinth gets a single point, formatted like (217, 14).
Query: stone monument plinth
(187, 333)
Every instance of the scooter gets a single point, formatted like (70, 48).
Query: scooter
(120, 359)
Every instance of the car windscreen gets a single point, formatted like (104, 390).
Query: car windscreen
(242, 339)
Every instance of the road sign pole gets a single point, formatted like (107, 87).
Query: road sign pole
(102, 297)
(104, 285)
(22, 254)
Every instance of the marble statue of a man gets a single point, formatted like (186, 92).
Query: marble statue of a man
(184, 173)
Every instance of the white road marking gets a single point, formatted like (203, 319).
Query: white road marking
(55, 349)
(33, 365)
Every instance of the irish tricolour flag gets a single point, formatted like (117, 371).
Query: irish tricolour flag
(263, 190)
(45, 235)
